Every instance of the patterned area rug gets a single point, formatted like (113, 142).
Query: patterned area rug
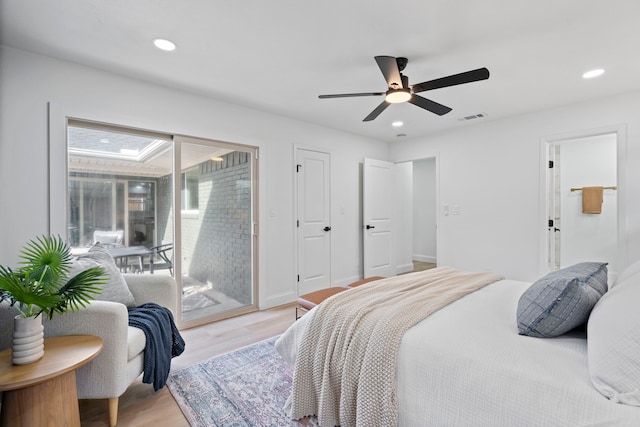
(247, 387)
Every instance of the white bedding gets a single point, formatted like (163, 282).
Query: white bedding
(466, 365)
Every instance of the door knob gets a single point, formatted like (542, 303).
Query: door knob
(327, 228)
(369, 227)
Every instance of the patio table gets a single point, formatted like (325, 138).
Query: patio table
(121, 256)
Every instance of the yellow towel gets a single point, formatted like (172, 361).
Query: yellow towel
(592, 200)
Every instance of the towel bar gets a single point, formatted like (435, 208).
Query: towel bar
(615, 187)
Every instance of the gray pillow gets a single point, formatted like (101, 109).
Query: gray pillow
(561, 300)
(116, 288)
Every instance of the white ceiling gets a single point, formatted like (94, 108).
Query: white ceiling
(279, 55)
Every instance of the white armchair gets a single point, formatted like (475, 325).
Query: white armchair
(121, 360)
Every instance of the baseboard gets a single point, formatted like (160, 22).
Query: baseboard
(425, 258)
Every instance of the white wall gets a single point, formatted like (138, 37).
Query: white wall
(424, 210)
(493, 172)
(588, 237)
(28, 82)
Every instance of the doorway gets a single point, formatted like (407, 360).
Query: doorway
(425, 210)
(416, 201)
(576, 233)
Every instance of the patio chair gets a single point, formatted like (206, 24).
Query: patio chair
(163, 253)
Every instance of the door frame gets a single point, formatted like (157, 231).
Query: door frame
(253, 151)
(296, 248)
(59, 116)
(620, 130)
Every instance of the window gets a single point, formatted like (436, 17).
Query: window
(116, 177)
(190, 188)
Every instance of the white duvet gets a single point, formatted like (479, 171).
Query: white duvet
(466, 365)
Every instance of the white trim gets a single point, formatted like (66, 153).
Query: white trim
(425, 258)
(620, 130)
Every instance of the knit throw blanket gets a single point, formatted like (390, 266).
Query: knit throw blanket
(163, 341)
(345, 368)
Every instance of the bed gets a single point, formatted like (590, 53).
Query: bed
(467, 365)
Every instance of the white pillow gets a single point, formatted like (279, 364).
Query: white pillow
(116, 288)
(613, 343)
(627, 273)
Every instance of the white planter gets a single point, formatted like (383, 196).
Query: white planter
(28, 340)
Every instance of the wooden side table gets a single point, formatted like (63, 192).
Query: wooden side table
(44, 392)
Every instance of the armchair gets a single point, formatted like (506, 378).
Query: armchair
(121, 360)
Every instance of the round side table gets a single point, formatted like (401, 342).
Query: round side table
(45, 390)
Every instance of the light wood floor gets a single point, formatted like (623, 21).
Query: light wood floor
(421, 265)
(141, 406)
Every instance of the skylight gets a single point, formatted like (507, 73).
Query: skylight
(114, 145)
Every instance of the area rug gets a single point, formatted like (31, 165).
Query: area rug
(247, 387)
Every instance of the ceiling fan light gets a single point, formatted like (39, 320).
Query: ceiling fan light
(398, 96)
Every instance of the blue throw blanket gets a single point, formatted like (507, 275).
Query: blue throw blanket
(163, 341)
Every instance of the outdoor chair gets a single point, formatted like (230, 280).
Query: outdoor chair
(163, 253)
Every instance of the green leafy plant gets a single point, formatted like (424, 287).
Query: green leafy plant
(40, 283)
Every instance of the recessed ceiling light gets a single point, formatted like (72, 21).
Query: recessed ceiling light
(593, 73)
(397, 124)
(217, 159)
(164, 44)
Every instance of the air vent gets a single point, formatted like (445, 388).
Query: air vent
(473, 116)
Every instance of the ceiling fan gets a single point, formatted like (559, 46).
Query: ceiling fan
(400, 90)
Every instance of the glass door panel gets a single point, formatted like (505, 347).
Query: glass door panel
(216, 231)
(116, 176)
(141, 210)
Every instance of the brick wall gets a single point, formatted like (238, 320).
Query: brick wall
(217, 240)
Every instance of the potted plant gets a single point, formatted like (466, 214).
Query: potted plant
(40, 284)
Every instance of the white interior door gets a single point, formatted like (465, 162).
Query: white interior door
(377, 221)
(314, 220)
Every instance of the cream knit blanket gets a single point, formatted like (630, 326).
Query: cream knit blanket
(345, 368)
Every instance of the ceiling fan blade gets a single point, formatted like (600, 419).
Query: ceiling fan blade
(375, 113)
(389, 67)
(347, 95)
(429, 105)
(455, 79)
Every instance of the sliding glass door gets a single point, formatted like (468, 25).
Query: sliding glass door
(216, 228)
(121, 192)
